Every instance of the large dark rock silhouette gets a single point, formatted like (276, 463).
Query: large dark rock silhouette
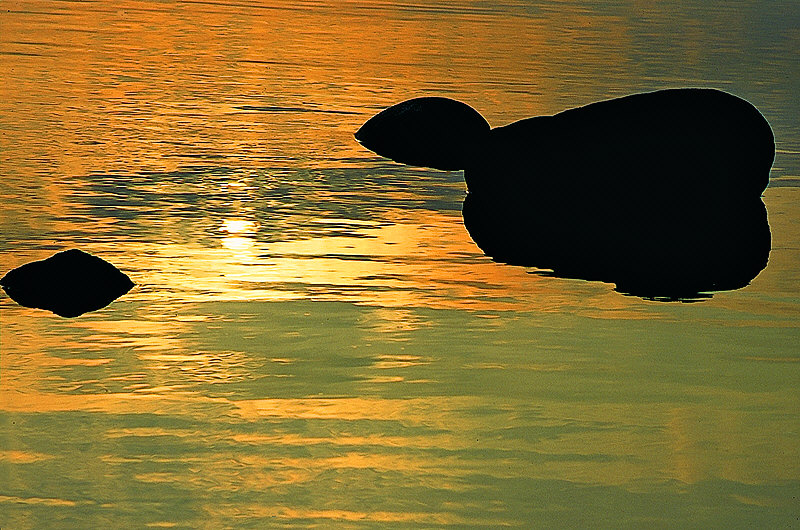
(659, 193)
(69, 283)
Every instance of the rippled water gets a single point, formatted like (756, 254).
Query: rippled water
(314, 339)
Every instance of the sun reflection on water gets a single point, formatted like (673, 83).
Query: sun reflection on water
(240, 235)
(239, 226)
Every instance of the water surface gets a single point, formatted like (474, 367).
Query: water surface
(314, 339)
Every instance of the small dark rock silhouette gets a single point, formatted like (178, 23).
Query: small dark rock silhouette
(659, 193)
(69, 283)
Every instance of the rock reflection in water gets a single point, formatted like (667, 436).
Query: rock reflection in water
(69, 283)
(659, 193)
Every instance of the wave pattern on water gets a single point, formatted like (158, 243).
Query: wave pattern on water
(314, 340)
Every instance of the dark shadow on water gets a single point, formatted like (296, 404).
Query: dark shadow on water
(69, 283)
(658, 193)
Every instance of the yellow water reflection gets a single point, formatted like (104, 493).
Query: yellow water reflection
(22, 457)
(687, 444)
(426, 260)
(36, 500)
(418, 518)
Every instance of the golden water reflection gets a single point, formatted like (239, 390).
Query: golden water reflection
(630, 444)
(424, 261)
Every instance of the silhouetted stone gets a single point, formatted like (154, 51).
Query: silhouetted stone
(69, 283)
(431, 132)
(658, 193)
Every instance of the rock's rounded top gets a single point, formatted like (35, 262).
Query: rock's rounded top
(68, 283)
(432, 132)
(658, 192)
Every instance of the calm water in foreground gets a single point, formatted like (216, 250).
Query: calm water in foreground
(314, 340)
